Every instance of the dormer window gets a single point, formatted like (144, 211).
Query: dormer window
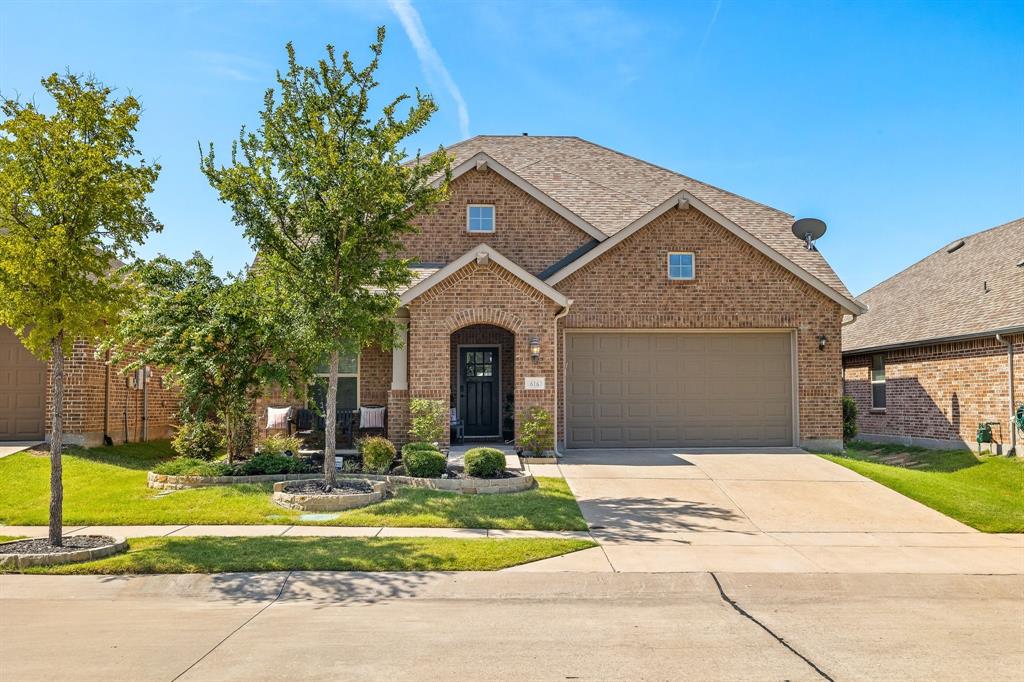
(480, 218)
(680, 265)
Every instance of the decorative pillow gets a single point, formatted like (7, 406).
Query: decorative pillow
(371, 417)
(277, 417)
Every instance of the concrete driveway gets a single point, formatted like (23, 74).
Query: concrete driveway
(10, 447)
(766, 510)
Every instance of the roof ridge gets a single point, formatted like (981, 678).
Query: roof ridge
(678, 174)
(936, 252)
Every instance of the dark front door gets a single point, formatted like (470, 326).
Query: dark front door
(478, 391)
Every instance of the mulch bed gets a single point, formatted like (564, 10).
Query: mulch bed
(345, 486)
(72, 543)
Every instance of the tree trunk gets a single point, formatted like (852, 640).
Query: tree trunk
(229, 436)
(331, 407)
(57, 442)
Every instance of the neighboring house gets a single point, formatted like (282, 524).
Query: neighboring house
(98, 401)
(640, 307)
(931, 358)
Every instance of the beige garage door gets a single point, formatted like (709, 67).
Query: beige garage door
(22, 390)
(664, 389)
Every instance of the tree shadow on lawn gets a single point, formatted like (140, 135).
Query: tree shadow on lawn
(136, 456)
(910, 457)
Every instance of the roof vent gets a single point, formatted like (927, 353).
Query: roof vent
(809, 229)
(955, 246)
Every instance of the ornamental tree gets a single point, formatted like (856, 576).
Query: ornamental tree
(221, 340)
(327, 193)
(73, 191)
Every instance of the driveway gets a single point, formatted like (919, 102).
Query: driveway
(764, 510)
(10, 447)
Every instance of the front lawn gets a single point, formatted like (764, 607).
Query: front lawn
(984, 492)
(234, 555)
(107, 486)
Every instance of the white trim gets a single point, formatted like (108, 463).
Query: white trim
(791, 334)
(458, 379)
(693, 266)
(482, 161)
(488, 253)
(494, 219)
(672, 202)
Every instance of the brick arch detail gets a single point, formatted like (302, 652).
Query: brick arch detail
(471, 316)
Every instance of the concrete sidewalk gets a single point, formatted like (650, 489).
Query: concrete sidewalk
(294, 531)
(425, 626)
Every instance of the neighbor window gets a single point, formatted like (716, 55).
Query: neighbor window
(348, 382)
(680, 266)
(878, 382)
(480, 218)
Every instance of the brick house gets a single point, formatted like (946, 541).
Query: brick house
(640, 307)
(932, 357)
(98, 399)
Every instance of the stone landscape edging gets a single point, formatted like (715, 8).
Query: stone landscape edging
(172, 482)
(22, 561)
(465, 486)
(326, 502)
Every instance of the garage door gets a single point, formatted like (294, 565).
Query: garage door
(22, 390)
(635, 390)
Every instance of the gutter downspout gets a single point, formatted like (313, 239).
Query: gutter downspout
(106, 401)
(1009, 365)
(560, 315)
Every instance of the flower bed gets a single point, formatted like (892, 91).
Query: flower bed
(171, 482)
(38, 551)
(314, 496)
(467, 486)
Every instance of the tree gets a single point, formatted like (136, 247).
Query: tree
(326, 194)
(72, 202)
(222, 340)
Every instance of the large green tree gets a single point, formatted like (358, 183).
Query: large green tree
(326, 192)
(73, 190)
(222, 340)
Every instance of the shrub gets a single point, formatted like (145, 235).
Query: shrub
(239, 432)
(192, 466)
(419, 446)
(424, 463)
(537, 431)
(378, 455)
(198, 439)
(279, 444)
(849, 418)
(485, 462)
(268, 463)
(429, 418)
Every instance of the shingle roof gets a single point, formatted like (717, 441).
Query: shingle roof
(944, 295)
(610, 190)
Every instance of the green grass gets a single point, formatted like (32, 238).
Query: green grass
(107, 486)
(986, 493)
(230, 555)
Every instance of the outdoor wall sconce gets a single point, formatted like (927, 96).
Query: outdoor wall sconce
(822, 340)
(535, 348)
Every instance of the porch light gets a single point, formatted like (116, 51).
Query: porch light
(822, 340)
(535, 348)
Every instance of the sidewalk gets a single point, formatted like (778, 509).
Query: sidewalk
(294, 531)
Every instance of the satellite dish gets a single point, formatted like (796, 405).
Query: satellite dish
(808, 230)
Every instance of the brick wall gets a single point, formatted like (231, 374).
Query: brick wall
(85, 379)
(736, 287)
(480, 294)
(938, 392)
(526, 231)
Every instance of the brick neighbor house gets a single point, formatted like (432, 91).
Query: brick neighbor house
(640, 307)
(932, 357)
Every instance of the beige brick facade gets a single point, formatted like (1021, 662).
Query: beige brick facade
(938, 394)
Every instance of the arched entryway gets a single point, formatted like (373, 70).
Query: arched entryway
(483, 381)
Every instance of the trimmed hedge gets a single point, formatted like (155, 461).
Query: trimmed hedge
(408, 447)
(265, 463)
(424, 463)
(484, 462)
(378, 455)
(198, 440)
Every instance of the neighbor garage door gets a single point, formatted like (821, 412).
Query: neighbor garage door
(22, 390)
(667, 389)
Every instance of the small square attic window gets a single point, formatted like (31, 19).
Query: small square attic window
(480, 218)
(680, 266)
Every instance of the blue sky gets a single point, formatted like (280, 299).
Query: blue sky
(899, 123)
